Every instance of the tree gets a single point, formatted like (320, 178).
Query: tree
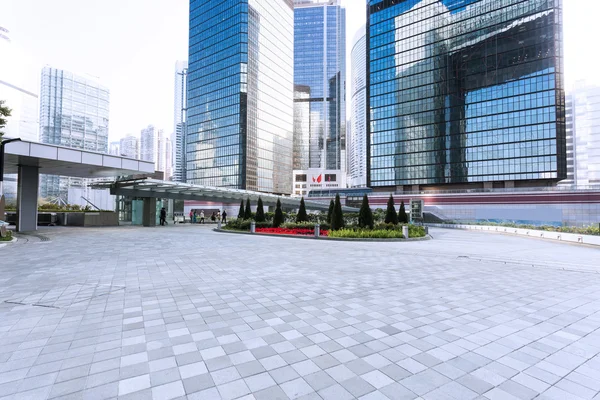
(278, 217)
(241, 212)
(260, 212)
(248, 211)
(391, 217)
(337, 217)
(402, 216)
(365, 216)
(4, 112)
(302, 216)
(330, 211)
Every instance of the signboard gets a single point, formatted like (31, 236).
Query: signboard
(416, 209)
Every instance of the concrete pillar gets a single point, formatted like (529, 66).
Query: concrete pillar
(27, 198)
(149, 214)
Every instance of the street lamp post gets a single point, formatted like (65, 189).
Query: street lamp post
(2, 200)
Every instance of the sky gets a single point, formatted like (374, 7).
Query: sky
(131, 47)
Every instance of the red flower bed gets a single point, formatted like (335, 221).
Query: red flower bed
(286, 231)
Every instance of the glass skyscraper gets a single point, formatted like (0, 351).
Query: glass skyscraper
(357, 137)
(320, 84)
(240, 94)
(465, 92)
(73, 113)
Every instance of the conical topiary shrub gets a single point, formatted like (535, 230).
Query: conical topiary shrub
(260, 212)
(337, 217)
(391, 217)
(365, 216)
(302, 216)
(248, 211)
(402, 216)
(330, 211)
(241, 212)
(278, 217)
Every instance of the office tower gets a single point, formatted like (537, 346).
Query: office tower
(240, 94)
(164, 154)
(149, 144)
(17, 90)
(130, 147)
(583, 134)
(465, 93)
(114, 148)
(73, 113)
(168, 159)
(357, 135)
(179, 112)
(320, 80)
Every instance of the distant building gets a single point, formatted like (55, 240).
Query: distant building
(73, 113)
(179, 128)
(240, 94)
(129, 147)
(583, 135)
(357, 135)
(164, 155)
(149, 144)
(114, 148)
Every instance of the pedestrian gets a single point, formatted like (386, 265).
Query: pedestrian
(163, 216)
(195, 216)
(191, 216)
(213, 217)
(224, 216)
(219, 215)
(202, 216)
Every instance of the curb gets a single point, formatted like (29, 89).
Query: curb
(427, 237)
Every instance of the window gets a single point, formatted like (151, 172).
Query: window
(301, 178)
(330, 177)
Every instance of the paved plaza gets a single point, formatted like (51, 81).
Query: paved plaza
(185, 312)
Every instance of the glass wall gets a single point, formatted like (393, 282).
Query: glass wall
(240, 95)
(320, 75)
(465, 92)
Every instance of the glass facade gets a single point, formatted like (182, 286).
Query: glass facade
(73, 113)
(320, 79)
(240, 94)
(357, 135)
(465, 91)
(179, 113)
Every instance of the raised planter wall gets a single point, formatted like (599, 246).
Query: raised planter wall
(558, 236)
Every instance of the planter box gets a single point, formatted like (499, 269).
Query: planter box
(89, 219)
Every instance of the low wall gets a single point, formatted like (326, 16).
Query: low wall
(89, 219)
(558, 236)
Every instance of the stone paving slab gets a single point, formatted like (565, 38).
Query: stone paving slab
(183, 312)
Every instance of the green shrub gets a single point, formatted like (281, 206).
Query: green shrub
(402, 216)
(248, 210)
(391, 217)
(241, 212)
(244, 225)
(260, 212)
(337, 217)
(278, 218)
(365, 216)
(330, 211)
(302, 216)
(366, 234)
(416, 231)
(8, 237)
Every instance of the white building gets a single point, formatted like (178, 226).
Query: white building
(357, 134)
(130, 147)
(583, 135)
(164, 155)
(114, 148)
(149, 144)
(308, 180)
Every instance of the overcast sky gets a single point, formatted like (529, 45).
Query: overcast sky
(132, 46)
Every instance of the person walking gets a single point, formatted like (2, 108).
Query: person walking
(163, 216)
(202, 216)
(191, 216)
(213, 217)
(224, 216)
(195, 216)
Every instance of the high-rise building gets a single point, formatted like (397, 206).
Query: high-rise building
(466, 93)
(583, 135)
(240, 94)
(149, 144)
(73, 113)
(320, 84)
(357, 133)
(168, 159)
(164, 155)
(114, 148)
(179, 130)
(130, 147)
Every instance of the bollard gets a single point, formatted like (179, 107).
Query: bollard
(317, 230)
(252, 227)
(405, 231)
(427, 230)
(219, 224)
